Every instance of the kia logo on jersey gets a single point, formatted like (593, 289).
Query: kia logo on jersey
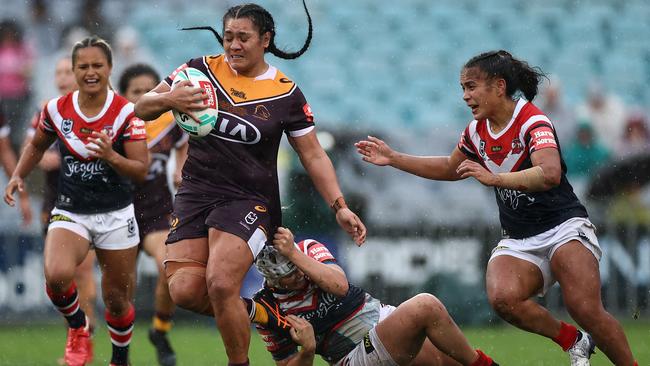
(233, 128)
(66, 126)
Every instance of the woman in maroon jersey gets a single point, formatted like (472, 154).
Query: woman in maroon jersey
(102, 147)
(228, 202)
(512, 146)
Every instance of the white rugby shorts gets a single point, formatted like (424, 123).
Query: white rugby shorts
(539, 249)
(370, 352)
(114, 230)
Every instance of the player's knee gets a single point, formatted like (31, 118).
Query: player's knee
(187, 287)
(503, 302)
(58, 280)
(220, 288)
(116, 301)
(430, 305)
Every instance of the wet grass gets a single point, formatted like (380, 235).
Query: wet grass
(200, 345)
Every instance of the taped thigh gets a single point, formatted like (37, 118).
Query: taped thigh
(179, 267)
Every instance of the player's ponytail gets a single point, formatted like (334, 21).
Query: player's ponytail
(264, 21)
(519, 76)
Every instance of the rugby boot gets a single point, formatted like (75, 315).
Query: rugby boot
(78, 346)
(164, 351)
(582, 349)
(277, 321)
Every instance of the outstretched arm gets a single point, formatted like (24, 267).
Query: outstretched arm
(319, 167)
(377, 152)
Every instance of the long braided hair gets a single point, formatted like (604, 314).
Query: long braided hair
(264, 21)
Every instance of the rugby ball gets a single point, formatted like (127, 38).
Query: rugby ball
(208, 116)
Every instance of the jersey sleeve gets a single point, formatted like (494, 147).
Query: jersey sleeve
(541, 136)
(300, 120)
(170, 78)
(466, 146)
(316, 250)
(45, 121)
(135, 130)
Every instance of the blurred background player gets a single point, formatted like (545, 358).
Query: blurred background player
(547, 236)
(306, 291)
(153, 200)
(50, 163)
(229, 200)
(103, 148)
(8, 161)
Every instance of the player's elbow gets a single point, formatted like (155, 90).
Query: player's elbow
(340, 288)
(140, 175)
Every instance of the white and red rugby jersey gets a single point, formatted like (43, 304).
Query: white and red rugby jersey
(88, 185)
(522, 214)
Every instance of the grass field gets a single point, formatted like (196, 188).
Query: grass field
(200, 345)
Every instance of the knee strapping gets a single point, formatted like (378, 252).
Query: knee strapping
(185, 271)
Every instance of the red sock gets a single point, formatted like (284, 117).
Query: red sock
(67, 303)
(567, 336)
(636, 363)
(482, 360)
(120, 330)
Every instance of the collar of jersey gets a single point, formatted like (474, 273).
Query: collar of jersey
(269, 74)
(107, 103)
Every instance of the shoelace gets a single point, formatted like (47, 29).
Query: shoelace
(282, 322)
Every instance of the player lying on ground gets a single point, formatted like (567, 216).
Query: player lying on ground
(341, 322)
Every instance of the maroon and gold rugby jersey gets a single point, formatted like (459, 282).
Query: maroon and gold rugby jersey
(339, 323)
(522, 214)
(88, 185)
(238, 159)
(153, 197)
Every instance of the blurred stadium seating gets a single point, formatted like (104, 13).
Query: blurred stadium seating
(371, 62)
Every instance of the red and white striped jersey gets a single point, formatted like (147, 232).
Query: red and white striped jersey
(89, 185)
(339, 322)
(522, 214)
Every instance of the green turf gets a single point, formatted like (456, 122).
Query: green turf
(201, 345)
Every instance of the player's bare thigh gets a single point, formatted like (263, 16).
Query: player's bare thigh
(401, 335)
(154, 245)
(510, 278)
(194, 250)
(64, 251)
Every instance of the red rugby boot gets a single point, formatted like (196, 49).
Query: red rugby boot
(78, 347)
